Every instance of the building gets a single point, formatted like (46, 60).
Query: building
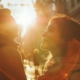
(61, 6)
(73, 8)
(69, 7)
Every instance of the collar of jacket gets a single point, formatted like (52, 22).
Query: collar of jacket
(72, 59)
(70, 62)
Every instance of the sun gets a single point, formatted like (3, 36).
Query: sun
(25, 19)
(26, 16)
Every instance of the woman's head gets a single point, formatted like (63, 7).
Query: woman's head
(8, 25)
(60, 30)
(59, 37)
(69, 27)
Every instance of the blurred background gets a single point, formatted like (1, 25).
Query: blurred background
(32, 17)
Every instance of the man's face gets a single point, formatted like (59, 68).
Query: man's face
(12, 30)
(52, 38)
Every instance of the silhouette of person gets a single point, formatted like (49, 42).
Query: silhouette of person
(62, 39)
(11, 67)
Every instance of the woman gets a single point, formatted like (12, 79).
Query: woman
(62, 39)
(11, 67)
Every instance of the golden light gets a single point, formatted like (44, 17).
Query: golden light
(25, 19)
(23, 11)
(24, 15)
(29, 69)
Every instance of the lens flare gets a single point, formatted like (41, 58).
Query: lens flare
(26, 19)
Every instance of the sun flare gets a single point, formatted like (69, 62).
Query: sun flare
(26, 19)
(23, 11)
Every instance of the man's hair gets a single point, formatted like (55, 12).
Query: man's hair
(69, 27)
(6, 17)
(6, 20)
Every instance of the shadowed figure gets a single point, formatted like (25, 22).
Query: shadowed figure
(11, 67)
(62, 39)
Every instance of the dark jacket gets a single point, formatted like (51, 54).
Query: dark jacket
(71, 63)
(11, 67)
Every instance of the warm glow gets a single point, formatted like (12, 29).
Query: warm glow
(26, 19)
(23, 11)
(24, 15)
(30, 69)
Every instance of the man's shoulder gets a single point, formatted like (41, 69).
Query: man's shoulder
(9, 51)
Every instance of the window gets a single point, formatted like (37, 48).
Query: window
(53, 7)
(66, 0)
(78, 1)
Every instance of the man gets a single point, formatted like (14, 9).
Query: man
(62, 39)
(11, 67)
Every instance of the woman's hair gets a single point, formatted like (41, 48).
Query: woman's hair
(69, 27)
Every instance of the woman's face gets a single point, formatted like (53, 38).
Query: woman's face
(52, 39)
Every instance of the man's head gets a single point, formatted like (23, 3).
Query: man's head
(8, 25)
(60, 30)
